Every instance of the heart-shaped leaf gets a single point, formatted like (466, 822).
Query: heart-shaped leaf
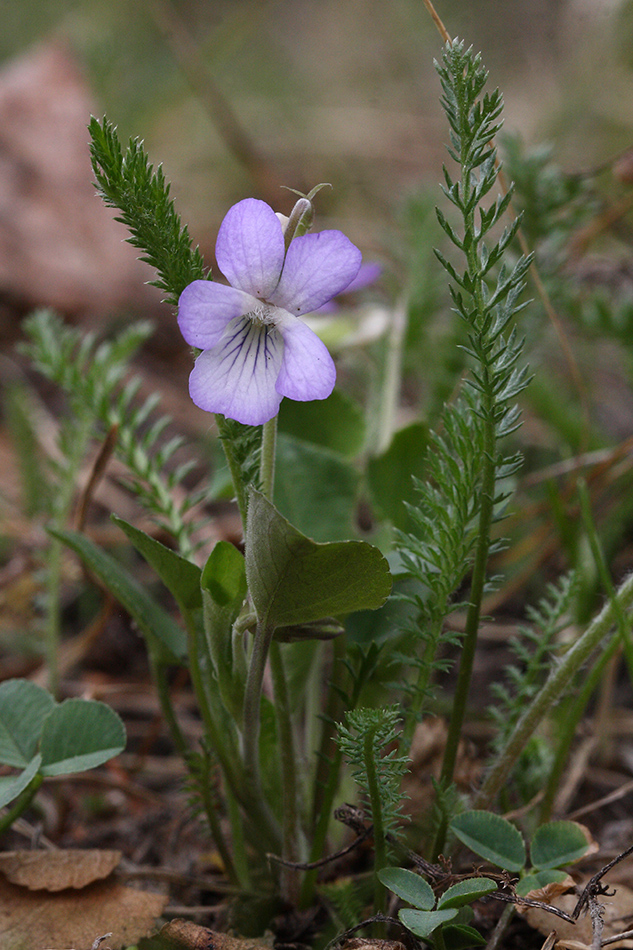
(80, 734)
(336, 423)
(294, 580)
(316, 489)
(23, 708)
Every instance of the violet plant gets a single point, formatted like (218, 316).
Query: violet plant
(272, 759)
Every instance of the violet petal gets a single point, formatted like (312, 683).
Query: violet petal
(307, 371)
(317, 267)
(238, 376)
(205, 308)
(250, 247)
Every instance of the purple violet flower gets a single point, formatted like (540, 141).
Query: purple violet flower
(255, 349)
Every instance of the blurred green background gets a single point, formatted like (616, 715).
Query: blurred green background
(238, 96)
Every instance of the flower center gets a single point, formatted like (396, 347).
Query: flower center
(263, 316)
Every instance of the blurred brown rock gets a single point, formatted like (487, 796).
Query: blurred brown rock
(59, 245)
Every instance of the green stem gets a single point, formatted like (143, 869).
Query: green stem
(234, 468)
(380, 843)
(246, 793)
(290, 847)
(327, 777)
(424, 680)
(252, 706)
(390, 390)
(480, 321)
(211, 812)
(22, 803)
(240, 858)
(624, 627)
(166, 705)
(267, 458)
(554, 687)
(567, 726)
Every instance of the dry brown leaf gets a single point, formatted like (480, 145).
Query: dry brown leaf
(364, 943)
(72, 918)
(578, 936)
(184, 935)
(59, 245)
(57, 870)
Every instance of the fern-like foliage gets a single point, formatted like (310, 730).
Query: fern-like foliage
(533, 649)
(437, 553)
(95, 378)
(128, 181)
(377, 769)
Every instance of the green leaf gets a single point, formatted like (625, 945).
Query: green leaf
(294, 580)
(223, 593)
(335, 423)
(224, 576)
(326, 629)
(461, 937)
(409, 886)
(423, 922)
(163, 635)
(80, 734)
(534, 882)
(390, 474)
(13, 785)
(24, 707)
(180, 576)
(557, 843)
(315, 489)
(491, 837)
(465, 892)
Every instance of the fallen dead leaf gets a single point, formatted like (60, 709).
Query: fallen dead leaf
(59, 245)
(618, 909)
(364, 943)
(57, 870)
(184, 935)
(71, 918)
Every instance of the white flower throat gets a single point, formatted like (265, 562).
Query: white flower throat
(264, 316)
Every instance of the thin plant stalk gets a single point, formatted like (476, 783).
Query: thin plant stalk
(624, 627)
(267, 458)
(22, 803)
(234, 468)
(380, 841)
(290, 825)
(568, 725)
(489, 471)
(553, 688)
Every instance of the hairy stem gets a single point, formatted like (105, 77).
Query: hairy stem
(267, 463)
(380, 843)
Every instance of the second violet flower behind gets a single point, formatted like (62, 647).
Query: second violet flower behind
(256, 350)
